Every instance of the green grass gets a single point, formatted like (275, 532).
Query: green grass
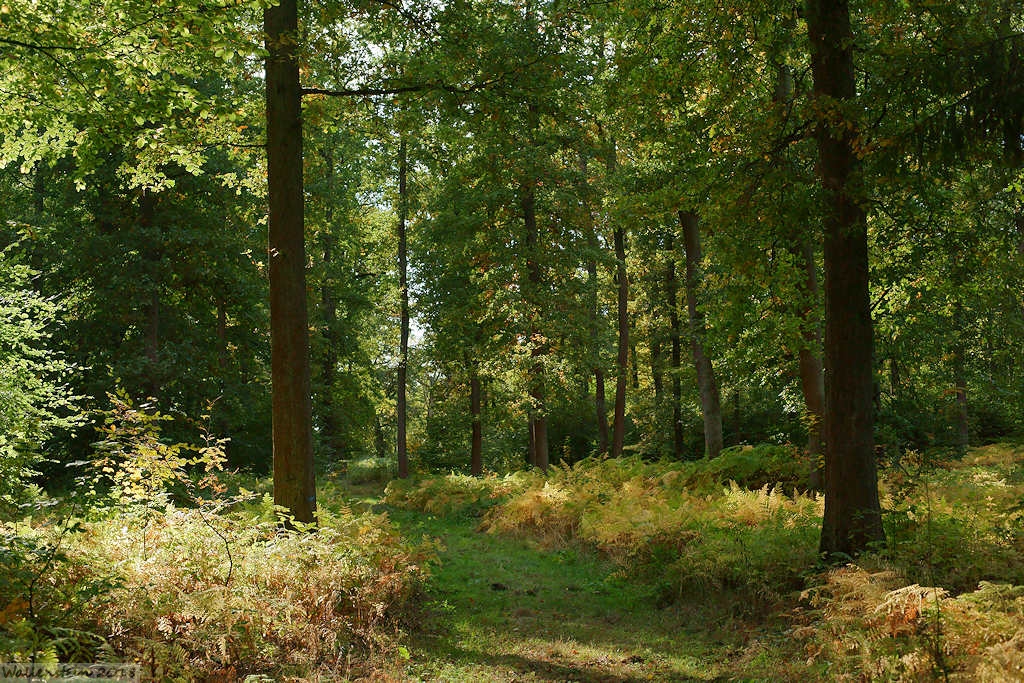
(501, 609)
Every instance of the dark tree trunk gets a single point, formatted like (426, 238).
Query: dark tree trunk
(853, 520)
(403, 289)
(710, 401)
(294, 484)
(476, 461)
(619, 421)
(675, 334)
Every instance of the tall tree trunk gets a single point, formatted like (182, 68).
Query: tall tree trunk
(595, 321)
(538, 417)
(476, 461)
(675, 334)
(710, 401)
(853, 520)
(619, 237)
(294, 484)
(403, 289)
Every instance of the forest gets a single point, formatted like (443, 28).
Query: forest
(508, 340)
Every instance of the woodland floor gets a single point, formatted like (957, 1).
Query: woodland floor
(500, 609)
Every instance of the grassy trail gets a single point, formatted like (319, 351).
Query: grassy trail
(500, 609)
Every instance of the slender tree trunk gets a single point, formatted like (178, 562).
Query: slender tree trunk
(675, 334)
(710, 401)
(595, 322)
(657, 377)
(538, 417)
(294, 484)
(476, 463)
(852, 521)
(403, 289)
(619, 422)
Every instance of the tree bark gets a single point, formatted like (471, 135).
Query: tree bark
(710, 401)
(675, 334)
(403, 289)
(852, 521)
(294, 484)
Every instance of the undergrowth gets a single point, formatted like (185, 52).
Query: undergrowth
(944, 600)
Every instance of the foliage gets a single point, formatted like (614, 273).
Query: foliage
(139, 467)
(162, 586)
(35, 401)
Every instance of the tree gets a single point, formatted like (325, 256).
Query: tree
(294, 484)
(853, 520)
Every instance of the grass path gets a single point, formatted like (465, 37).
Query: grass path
(500, 609)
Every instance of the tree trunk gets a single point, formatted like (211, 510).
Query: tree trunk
(538, 419)
(619, 421)
(675, 333)
(476, 462)
(294, 484)
(853, 520)
(403, 289)
(595, 322)
(710, 401)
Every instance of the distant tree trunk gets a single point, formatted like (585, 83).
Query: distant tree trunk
(675, 333)
(852, 521)
(657, 377)
(538, 417)
(595, 322)
(476, 463)
(619, 421)
(710, 401)
(634, 364)
(294, 484)
(403, 289)
(812, 376)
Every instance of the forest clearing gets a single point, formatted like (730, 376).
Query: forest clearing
(460, 340)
